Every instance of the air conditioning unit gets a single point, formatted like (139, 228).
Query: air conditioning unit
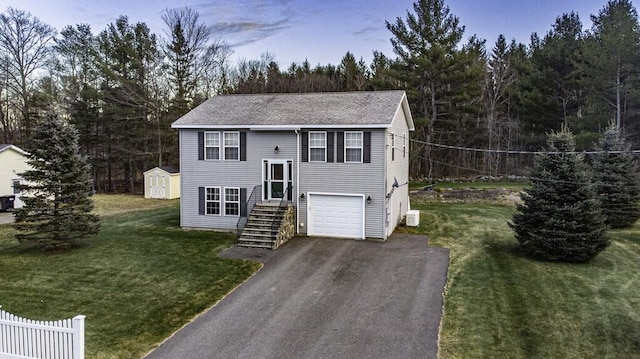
(413, 218)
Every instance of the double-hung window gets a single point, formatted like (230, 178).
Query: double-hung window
(353, 146)
(212, 145)
(232, 201)
(317, 146)
(232, 146)
(212, 200)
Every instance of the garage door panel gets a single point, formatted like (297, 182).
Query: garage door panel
(336, 215)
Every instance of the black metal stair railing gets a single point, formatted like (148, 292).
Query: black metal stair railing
(247, 207)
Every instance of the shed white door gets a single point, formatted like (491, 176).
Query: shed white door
(157, 185)
(336, 215)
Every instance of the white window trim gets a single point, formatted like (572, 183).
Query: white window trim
(224, 147)
(225, 201)
(393, 146)
(361, 147)
(206, 201)
(205, 145)
(404, 145)
(316, 147)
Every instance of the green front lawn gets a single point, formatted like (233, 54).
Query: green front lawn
(499, 304)
(137, 282)
(143, 277)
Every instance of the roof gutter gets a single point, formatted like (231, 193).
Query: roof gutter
(277, 127)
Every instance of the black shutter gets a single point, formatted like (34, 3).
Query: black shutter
(366, 147)
(201, 200)
(329, 146)
(201, 146)
(243, 202)
(305, 147)
(243, 146)
(340, 155)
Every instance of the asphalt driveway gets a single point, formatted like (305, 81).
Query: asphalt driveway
(326, 298)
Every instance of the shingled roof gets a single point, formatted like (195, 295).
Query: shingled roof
(171, 169)
(374, 109)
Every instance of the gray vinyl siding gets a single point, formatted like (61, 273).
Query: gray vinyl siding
(398, 168)
(351, 178)
(243, 174)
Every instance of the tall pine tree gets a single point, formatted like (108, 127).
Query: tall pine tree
(612, 55)
(57, 200)
(615, 173)
(560, 217)
(443, 79)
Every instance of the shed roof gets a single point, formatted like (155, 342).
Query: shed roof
(171, 169)
(371, 109)
(4, 147)
(168, 169)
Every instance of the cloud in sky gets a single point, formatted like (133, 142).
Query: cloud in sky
(247, 32)
(367, 30)
(246, 21)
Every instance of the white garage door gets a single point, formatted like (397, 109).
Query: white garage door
(336, 215)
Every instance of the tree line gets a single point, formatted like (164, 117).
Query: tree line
(124, 86)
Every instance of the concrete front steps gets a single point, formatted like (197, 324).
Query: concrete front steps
(263, 225)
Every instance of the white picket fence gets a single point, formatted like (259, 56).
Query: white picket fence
(25, 338)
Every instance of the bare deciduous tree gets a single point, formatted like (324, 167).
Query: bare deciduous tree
(26, 41)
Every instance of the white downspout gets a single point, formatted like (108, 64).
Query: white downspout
(297, 192)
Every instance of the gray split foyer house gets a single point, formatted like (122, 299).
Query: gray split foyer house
(341, 160)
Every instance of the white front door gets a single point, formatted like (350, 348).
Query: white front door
(277, 176)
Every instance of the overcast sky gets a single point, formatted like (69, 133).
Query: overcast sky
(320, 31)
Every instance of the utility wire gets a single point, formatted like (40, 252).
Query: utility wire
(527, 178)
(530, 179)
(513, 152)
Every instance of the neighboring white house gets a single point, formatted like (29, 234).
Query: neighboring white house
(13, 160)
(162, 182)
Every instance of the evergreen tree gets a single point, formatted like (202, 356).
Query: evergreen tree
(499, 80)
(76, 50)
(560, 217)
(611, 56)
(127, 55)
(58, 206)
(442, 76)
(616, 179)
(353, 75)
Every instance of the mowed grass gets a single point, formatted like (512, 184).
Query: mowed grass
(137, 282)
(500, 304)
